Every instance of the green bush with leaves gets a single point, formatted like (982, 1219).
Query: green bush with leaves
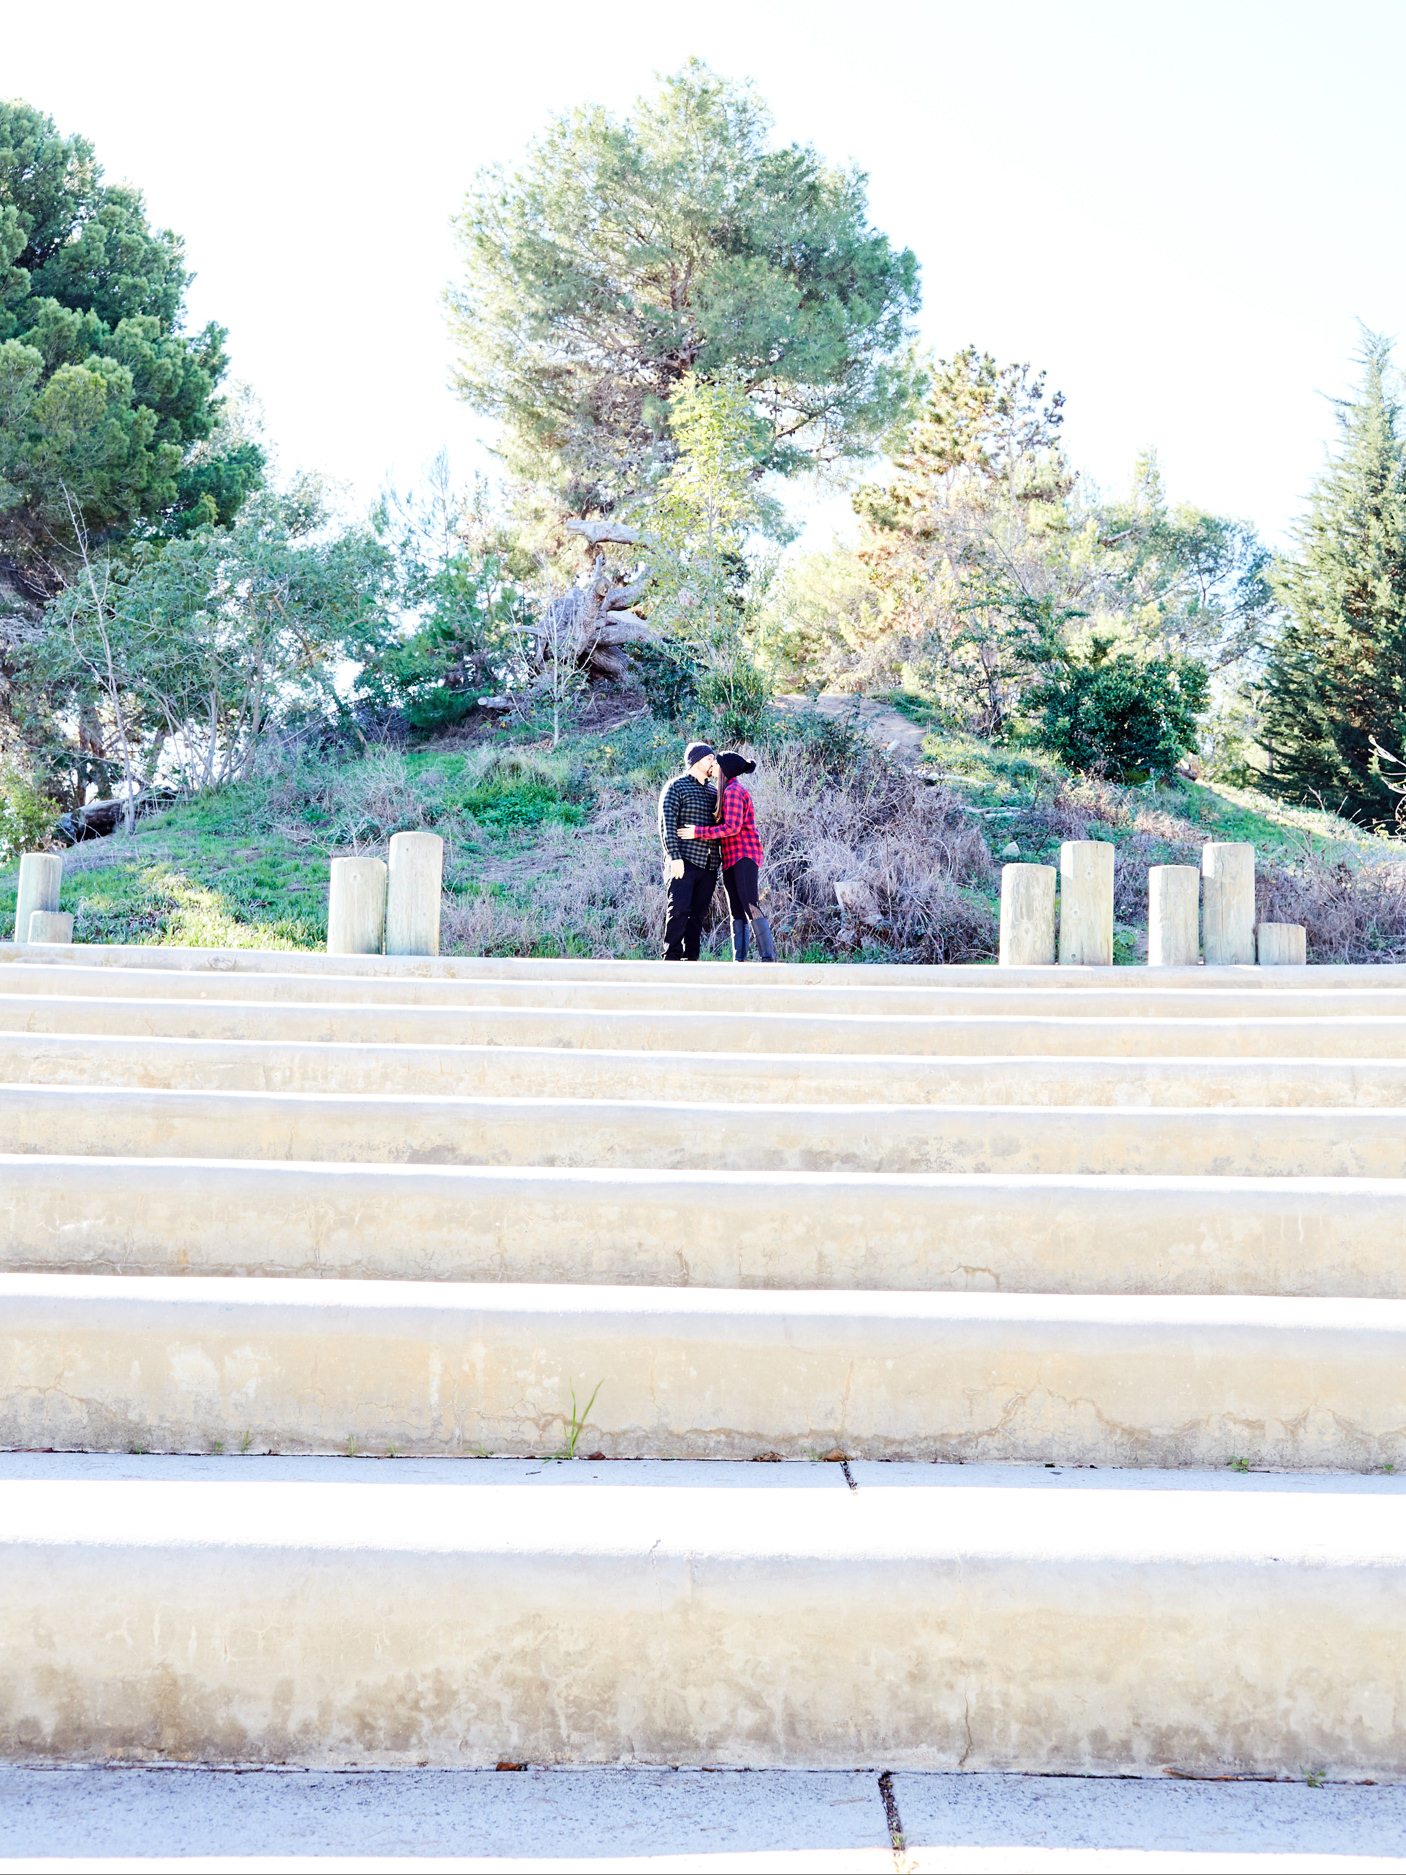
(1122, 717)
(668, 676)
(27, 816)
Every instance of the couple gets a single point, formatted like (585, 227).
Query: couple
(700, 811)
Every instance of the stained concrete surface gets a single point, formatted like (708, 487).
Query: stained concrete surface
(86, 1816)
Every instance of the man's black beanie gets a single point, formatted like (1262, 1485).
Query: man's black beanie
(695, 753)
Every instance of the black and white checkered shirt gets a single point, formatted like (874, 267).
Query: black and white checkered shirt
(688, 803)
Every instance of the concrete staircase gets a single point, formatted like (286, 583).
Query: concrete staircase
(1125, 1249)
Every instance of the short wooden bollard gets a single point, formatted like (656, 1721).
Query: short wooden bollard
(1086, 902)
(1173, 915)
(1228, 902)
(356, 908)
(1282, 944)
(1027, 914)
(412, 904)
(50, 927)
(41, 875)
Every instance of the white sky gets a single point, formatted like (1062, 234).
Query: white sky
(1179, 211)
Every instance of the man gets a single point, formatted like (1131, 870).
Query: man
(690, 866)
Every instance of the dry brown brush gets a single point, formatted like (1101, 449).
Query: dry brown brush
(922, 865)
(1352, 905)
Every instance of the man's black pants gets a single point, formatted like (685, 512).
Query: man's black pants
(688, 902)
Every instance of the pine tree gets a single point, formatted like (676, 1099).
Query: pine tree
(1336, 679)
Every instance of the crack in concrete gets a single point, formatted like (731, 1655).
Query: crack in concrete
(897, 1841)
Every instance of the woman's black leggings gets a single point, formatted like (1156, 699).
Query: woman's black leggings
(743, 888)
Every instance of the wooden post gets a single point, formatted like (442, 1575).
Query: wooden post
(1027, 914)
(41, 875)
(1086, 902)
(356, 908)
(1228, 902)
(1173, 915)
(1282, 944)
(412, 904)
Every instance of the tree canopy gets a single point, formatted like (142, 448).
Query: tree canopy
(102, 394)
(627, 256)
(1335, 709)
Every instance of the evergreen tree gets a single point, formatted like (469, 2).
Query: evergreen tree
(629, 255)
(102, 395)
(1336, 679)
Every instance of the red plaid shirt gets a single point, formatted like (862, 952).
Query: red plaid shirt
(738, 831)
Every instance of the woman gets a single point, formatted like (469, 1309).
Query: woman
(736, 827)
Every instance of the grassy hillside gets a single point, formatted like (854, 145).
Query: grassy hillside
(554, 852)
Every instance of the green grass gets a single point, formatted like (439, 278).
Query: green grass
(247, 866)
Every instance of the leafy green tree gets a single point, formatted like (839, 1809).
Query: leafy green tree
(175, 661)
(1186, 582)
(460, 592)
(627, 257)
(1334, 715)
(976, 522)
(978, 420)
(699, 521)
(102, 394)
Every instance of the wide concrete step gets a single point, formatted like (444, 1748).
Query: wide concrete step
(1373, 1037)
(708, 1229)
(1249, 977)
(326, 1611)
(649, 1075)
(385, 1129)
(197, 1364)
(754, 992)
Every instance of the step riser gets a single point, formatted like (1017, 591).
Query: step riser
(1093, 1236)
(1370, 1038)
(283, 1631)
(376, 1130)
(121, 1364)
(748, 993)
(1249, 977)
(579, 1074)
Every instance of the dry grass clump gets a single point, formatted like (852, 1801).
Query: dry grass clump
(1351, 904)
(349, 806)
(1353, 910)
(922, 861)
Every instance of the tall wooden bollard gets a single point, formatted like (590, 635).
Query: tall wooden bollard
(412, 905)
(1173, 915)
(1027, 914)
(50, 927)
(41, 875)
(1282, 944)
(356, 908)
(1228, 902)
(1086, 902)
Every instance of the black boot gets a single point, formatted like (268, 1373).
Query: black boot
(761, 931)
(739, 940)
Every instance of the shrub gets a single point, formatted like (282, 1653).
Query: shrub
(669, 680)
(734, 702)
(27, 817)
(1120, 716)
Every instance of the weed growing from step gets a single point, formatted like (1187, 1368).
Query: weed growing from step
(575, 1426)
